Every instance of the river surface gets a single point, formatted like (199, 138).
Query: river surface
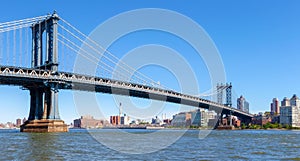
(217, 145)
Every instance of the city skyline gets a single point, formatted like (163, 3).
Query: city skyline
(254, 74)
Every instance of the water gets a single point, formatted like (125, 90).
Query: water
(218, 145)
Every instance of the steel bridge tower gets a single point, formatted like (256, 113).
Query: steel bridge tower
(44, 114)
(228, 88)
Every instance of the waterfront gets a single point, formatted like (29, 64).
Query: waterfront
(219, 145)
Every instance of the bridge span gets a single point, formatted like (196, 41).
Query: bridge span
(44, 79)
(27, 77)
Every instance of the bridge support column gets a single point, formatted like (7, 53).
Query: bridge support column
(36, 104)
(53, 108)
(43, 115)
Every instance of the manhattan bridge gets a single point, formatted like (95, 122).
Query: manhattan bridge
(34, 55)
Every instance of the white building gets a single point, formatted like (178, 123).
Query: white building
(125, 120)
(290, 112)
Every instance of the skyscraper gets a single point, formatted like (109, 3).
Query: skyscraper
(285, 102)
(295, 101)
(242, 104)
(275, 106)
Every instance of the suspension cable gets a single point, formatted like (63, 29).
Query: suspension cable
(143, 80)
(91, 60)
(105, 50)
(95, 61)
(16, 22)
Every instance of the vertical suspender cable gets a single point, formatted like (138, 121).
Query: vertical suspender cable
(62, 64)
(40, 46)
(1, 48)
(14, 47)
(46, 44)
(26, 47)
(20, 48)
(7, 48)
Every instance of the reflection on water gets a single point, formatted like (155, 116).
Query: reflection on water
(79, 145)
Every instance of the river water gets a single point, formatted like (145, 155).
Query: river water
(218, 145)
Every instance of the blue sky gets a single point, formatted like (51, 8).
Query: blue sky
(257, 40)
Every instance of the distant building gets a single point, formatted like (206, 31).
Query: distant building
(295, 101)
(167, 121)
(115, 120)
(125, 120)
(18, 122)
(290, 112)
(208, 118)
(242, 104)
(156, 121)
(275, 106)
(24, 120)
(285, 102)
(261, 119)
(182, 119)
(195, 118)
(87, 122)
(120, 120)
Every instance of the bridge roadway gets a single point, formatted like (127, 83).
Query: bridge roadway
(28, 77)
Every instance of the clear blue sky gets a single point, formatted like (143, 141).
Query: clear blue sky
(259, 42)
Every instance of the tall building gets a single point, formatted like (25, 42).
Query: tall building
(242, 104)
(290, 112)
(275, 106)
(285, 102)
(295, 101)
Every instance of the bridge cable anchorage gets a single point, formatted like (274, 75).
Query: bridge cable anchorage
(93, 49)
(108, 52)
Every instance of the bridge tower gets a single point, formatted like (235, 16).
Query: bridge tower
(228, 88)
(43, 114)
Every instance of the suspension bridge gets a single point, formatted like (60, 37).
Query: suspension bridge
(42, 70)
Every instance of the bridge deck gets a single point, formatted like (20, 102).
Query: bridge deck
(27, 77)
